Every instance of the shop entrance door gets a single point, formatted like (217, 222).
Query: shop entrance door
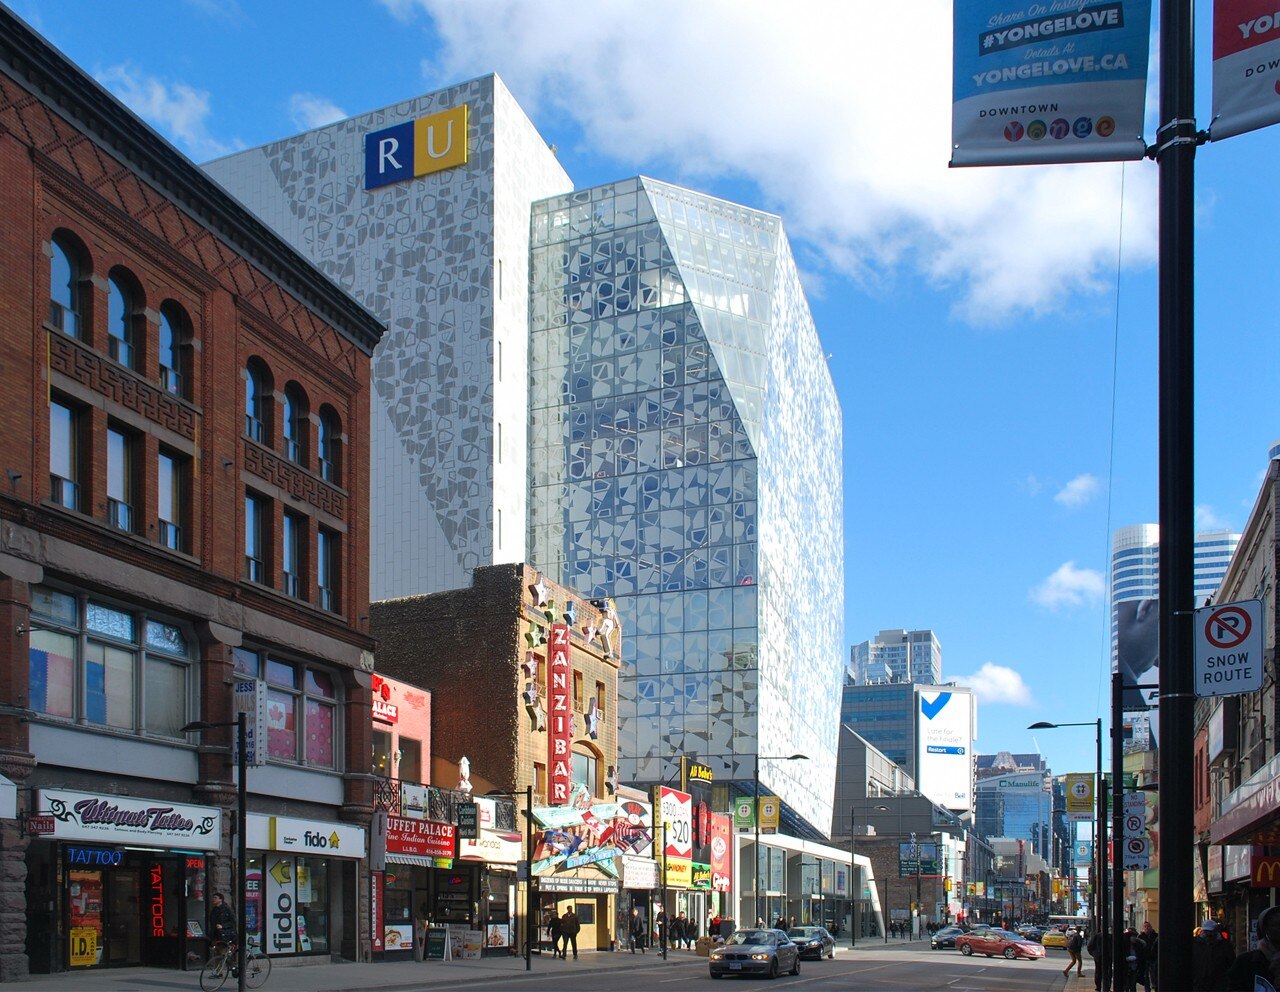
(124, 931)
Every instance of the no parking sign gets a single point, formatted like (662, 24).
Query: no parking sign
(1229, 648)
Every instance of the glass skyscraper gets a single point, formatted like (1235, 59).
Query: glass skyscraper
(897, 656)
(1014, 798)
(685, 460)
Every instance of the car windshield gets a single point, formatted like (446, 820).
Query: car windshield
(803, 932)
(752, 937)
(950, 930)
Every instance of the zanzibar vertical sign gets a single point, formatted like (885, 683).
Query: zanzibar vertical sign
(560, 719)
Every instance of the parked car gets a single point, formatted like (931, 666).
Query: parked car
(1006, 943)
(756, 952)
(1031, 931)
(946, 937)
(1054, 937)
(814, 942)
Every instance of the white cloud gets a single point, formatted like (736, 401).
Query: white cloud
(309, 110)
(816, 106)
(1069, 586)
(998, 684)
(176, 109)
(1207, 518)
(1078, 491)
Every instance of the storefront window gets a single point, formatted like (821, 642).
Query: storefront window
(312, 919)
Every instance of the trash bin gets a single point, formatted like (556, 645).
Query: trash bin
(702, 947)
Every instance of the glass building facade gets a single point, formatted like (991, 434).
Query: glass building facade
(685, 458)
(897, 656)
(1014, 798)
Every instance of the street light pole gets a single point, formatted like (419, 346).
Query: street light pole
(242, 818)
(1099, 847)
(756, 817)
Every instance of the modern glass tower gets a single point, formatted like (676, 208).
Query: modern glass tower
(897, 656)
(685, 459)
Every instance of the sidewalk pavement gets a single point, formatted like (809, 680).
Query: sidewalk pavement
(319, 975)
(387, 976)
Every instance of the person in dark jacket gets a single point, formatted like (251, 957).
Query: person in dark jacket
(1133, 961)
(1151, 940)
(1094, 947)
(1211, 958)
(222, 922)
(1263, 963)
(570, 925)
(554, 929)
(639, 932)
(1075, 944)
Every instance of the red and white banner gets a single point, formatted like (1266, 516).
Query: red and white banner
(559, 717)
(676, 812)
(721, 830)
(1246, 66)
(422, 838)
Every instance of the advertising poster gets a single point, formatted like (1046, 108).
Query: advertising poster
(944, 723)
(676, 814)
(919, 858)
(1080, 798)
(721, 853)
(281, 905)
(744, 813)
(1138, 651)
(1246, 66)
(1057, 81)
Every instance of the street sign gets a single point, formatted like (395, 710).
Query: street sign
(38, 824)
(1229, 648)
(1137, 854)
(250, 698)
(468, 826)
(1135, 814)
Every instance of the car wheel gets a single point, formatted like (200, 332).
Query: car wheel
(966, 950)
(1010, 953)
(831, 954)
(795, 968)
(773, 969)
(716, 974)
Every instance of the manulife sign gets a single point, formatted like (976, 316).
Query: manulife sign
(416, 148)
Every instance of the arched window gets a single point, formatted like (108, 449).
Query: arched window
(330, 446)
(175, 339)
(295, 424)
(257, 401)
(65, 273)
(123, 306)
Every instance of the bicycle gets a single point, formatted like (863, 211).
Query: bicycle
(222, 965)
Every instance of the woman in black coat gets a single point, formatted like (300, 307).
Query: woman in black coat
(1263, 963)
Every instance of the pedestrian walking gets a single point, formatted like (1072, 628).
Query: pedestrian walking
(639, 931)
(569, 927)
(662, 927)
(1133, 961)
(1211, 958)
(554, 930)
(1260, 968)
(1075, 945)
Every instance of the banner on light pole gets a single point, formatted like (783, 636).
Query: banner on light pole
(1052, 82)
(1246, 66)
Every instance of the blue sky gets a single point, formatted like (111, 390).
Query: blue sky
(972, 316)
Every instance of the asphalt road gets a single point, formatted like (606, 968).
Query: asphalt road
(892, 970)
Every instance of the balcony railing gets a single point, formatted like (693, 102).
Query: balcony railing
(441, 806)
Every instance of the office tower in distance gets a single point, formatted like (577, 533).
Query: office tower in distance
(897, 656)
(685, 461)
(1135, 576)
(439, 251)
(1014, 798)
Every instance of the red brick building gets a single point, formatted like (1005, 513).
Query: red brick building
(183, 508)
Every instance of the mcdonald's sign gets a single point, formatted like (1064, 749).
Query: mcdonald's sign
(1265, 871)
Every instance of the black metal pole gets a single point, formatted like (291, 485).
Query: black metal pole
(755, 820)
(855, 889)
(1175, 152)
(530, 909)
(915, 921)
(1100, 842)
(1118, 963)
(242, 810)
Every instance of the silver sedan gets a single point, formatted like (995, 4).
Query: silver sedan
(756, 952)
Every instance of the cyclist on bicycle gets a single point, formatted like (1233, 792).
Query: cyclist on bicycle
(222, 922)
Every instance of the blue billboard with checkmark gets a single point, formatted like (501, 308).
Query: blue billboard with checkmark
(945, 730)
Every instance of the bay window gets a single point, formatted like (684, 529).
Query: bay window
(302, 708)
(107, 665)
